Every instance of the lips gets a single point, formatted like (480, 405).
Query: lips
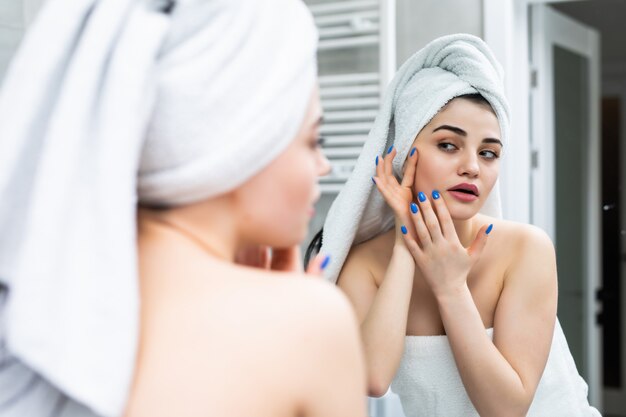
(465, 188)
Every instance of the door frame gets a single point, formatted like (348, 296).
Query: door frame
(614, 398)
(506, 30)
(550, 27)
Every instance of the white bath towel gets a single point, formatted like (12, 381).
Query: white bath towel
(447, 67)
(218, 88)
(429, 385)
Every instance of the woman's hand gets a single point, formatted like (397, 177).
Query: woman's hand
(438, 253)
(397, 195)
(284, 259)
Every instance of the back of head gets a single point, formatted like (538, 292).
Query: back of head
(164, 102)
(233, 82)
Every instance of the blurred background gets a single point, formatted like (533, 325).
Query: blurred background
(564, 168)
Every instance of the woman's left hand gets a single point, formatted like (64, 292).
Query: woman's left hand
(438, 253)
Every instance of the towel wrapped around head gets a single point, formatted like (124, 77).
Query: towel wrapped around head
(446, 68)
(111, 102)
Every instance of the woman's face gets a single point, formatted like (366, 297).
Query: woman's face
(277, 204)
(459, 153)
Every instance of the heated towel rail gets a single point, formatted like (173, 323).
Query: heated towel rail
(350, 96)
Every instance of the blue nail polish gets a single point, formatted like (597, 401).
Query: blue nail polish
(389, 150)
(436, 195)
(489, 229)
(414, 208)
(325, 262)
(373, 180)
(376, 159)
(421, 196)
(413, 151)
(404, 231)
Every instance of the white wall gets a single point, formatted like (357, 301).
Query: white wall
(505, 31)
(419, 22)
(11, 30)
(31, 7)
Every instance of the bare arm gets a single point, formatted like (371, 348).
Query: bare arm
(383, 311)
(287, 347)
(501, 377)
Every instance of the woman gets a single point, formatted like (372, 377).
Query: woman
(159, 144)
(457, 306)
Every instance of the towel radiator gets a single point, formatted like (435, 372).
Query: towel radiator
(357, 57)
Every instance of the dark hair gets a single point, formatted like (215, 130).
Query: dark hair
(477, 98)
(314, 247)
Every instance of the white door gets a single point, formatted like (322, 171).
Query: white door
(565, 185)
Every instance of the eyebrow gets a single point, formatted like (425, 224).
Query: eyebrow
(463, 133)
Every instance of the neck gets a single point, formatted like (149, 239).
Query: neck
(208, 226)
(465, 230)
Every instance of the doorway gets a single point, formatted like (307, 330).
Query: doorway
(565, 175)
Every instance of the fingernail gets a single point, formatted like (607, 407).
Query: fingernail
(421, 196)
(376, 159)
(435, 194)
(390, 149)
(404, 231)
(489, 229)
(414, 208)
(413, 151)
(325, 262)
(373, 180)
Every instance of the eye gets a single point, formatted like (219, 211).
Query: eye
(447, 147)
(487, 154)
(317, 143)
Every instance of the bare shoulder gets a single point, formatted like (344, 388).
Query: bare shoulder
(301, 333)
(380, 246)
(372, 256)
(527, 249)
(282, 311)
(517, 236)
(314, 304)
(238, 331)
(322, 359)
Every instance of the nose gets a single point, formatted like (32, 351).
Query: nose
(469, 165)
(323, 165)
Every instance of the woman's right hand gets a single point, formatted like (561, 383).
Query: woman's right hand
(398, 196)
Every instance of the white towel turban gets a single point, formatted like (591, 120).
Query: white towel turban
(446, 68)
(108, 102)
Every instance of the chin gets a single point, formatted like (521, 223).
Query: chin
(463, 213)
(462, 217)
(289, 238)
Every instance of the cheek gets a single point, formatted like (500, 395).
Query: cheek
(289, 196)
(490, 176)
(428, 173)
(278, 202)
(294, 184)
